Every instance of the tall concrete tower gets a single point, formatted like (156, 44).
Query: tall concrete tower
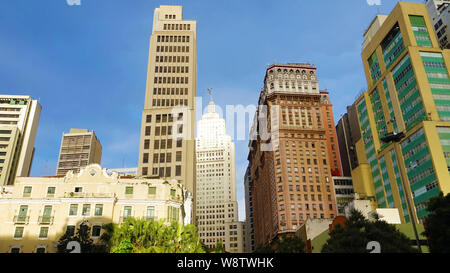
(167, 144)
(79, 148)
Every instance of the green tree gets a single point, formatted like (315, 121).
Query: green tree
(264, 249)
(220, 248)
(82, 236)
(437, 224)
(138, 235)
(359, 231)
(283, 244)
(291, 244)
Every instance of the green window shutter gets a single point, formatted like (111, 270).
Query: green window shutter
(129, 190)
(18, 232)
(151, 190)
(98, 210)
(51, 190)
(43, 232)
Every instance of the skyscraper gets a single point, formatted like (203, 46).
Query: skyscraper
(217, 208)
(19, 119)
(167, 144)
(79, 148)
(408, 95)
(439, 11)
(249, 233)
(292, 181)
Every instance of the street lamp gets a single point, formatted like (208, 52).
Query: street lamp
(395, 138)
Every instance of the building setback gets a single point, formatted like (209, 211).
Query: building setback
(167, 142)
(217, 208)
(292, 170)
(79, 148)
(409, 93)
(19, 119)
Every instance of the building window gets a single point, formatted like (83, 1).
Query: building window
(96, 230)
(15, 250)
(27, 191)
(98, 210)
(73, 211)
(127, 211)
(177, 170)
(40, 250)
(152, 190)
(18, 233)
(128, 190)
(51, 191)
(150, 212)
(43, 233)
(70, 230)
(86, 211)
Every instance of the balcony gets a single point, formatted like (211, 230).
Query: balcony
(45, 220)
(88, 195)
(21, 219)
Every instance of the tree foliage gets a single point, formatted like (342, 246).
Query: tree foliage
(138, 235)
(437, 224)
(283, 244)
(291, 244)
(82, 236)
(220, 248)
(359, 231)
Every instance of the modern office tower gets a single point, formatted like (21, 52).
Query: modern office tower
(19, 119)
(79, 148)
(354, 161)
(37, 211)
(292, 161)
(343, 192)
(249, 233)
(217, 208)
(439, 12)
(167, 145)
(408, 93)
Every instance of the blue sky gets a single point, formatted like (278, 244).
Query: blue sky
(87, 64)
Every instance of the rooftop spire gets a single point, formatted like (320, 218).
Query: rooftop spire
(211, 108)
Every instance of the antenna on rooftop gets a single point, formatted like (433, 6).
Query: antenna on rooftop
(210, 91)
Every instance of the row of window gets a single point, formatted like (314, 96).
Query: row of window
(177, 27)
(171, 69)
(171, 80)
(172, 59)
(172, 39)
(170, 91)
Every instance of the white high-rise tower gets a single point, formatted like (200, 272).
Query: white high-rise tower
(217, 209)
